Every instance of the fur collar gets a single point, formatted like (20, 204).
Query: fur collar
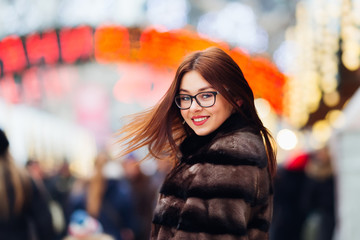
(193, 143)
(235, 139)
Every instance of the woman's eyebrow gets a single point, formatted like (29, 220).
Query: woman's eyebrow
(183, 90)
(199, 90)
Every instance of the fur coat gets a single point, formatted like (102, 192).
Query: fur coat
(221, 189)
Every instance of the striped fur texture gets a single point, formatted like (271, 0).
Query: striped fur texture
(221, 189)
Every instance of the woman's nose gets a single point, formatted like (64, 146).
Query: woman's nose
(195, 106)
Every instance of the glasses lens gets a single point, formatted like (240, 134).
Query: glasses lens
(206, 99)
(183, 101)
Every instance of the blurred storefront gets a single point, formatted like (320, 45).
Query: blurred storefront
(345, 149)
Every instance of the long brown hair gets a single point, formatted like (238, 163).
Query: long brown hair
(160, 128)
(96, 187)
(18, 180)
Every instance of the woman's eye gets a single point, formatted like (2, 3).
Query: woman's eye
(185, 98)
(206, 95)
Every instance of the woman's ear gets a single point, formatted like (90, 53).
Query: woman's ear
(239, 102)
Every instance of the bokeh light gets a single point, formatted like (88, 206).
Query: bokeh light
(321, 131)
(287, 139)
(263, 107)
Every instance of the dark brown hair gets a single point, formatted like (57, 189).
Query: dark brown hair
(161, 129)
(15, 177)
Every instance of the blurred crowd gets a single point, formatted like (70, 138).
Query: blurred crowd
(115, 203)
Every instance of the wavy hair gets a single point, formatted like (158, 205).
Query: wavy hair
(18, 180)
(160, 128)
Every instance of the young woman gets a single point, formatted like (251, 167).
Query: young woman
(23, 209)
(221, 184)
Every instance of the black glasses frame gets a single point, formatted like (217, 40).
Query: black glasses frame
(194, 97)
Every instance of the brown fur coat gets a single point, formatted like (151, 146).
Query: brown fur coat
(221, 189)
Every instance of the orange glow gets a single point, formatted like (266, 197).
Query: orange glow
(112, 44)
(266, 81)
(169, 48)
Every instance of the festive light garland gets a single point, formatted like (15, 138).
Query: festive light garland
(350, 34)
(109, 44)
(324, 29)
(315, 67)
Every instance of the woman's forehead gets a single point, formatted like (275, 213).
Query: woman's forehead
(194, 82)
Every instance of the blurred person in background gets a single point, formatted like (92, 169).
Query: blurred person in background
(304, 202)
(289, 215)
(24, 214)
(221, 185)
(43, 183)
(36, 171)
(59, 186)
(318, 196)
(108, 199)
(144, 191)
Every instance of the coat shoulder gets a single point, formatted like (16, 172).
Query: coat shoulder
(238, 146)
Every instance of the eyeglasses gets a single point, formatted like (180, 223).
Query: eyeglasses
(204, 99)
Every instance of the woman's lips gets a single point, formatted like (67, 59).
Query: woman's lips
(199, 120)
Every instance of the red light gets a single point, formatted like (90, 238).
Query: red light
(12, 55)
(42, 48)
(76, 44)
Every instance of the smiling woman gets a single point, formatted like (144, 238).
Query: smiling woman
(221, 184)
(203, 115)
